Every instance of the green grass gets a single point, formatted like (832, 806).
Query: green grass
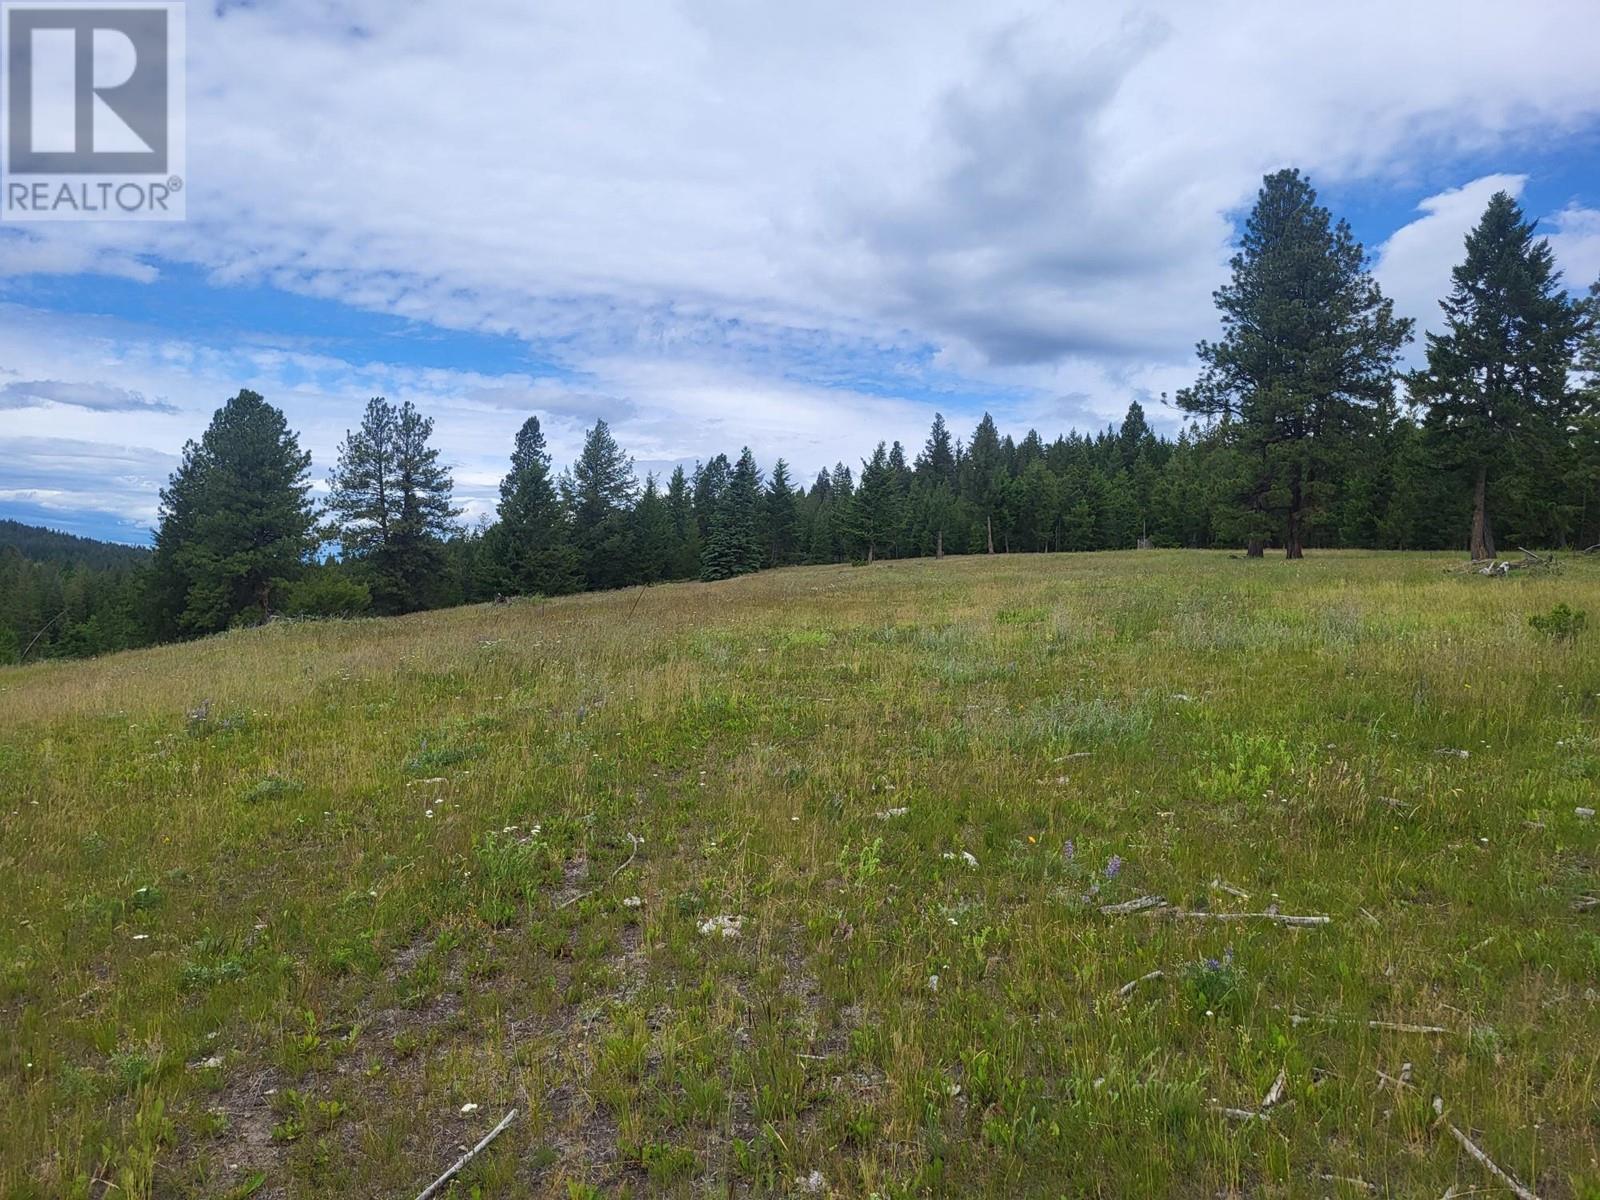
(280, 903)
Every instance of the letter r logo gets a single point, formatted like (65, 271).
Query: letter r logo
(86, 89)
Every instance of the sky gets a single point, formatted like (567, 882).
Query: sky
(718, 223)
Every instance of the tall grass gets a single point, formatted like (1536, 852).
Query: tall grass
(282, 905)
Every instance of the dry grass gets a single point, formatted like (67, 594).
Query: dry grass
(282, 902)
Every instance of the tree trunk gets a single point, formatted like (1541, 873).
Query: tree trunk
(1482, 531)
(1257, 548)
(938, 551)
(870, 551)
(1291, 543)
(988, 525)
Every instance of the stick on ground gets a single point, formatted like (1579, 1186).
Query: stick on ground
(1133, 906)
(1128, 988)
(1488, 1163)
(1279, 918)
(455, 1168)
(637, 842)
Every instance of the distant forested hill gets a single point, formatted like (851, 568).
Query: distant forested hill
(67, 596)
(48, 546)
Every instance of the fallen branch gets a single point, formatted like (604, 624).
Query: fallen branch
(1222, 885)
(1280, 918)
(1402, 1027)
(1127, 989)
(1239, 1114)
(1488, 1163)
(1392, 1026)
(1404, 1080)
(455, 1168)
(1275, 1094)
(637, 842)
(1352, 1180)
(1133, 906)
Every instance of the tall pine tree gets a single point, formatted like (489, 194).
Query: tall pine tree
(391, 502)
(531, 545)
(599, 491)
(1307, 355)
(235, 521)
(1495, 387)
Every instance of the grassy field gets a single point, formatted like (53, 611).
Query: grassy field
(281, 906)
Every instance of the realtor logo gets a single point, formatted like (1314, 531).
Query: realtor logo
(91, 110)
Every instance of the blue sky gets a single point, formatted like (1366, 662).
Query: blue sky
(800, 228)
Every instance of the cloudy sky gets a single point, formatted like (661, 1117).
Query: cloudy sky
(801, 227)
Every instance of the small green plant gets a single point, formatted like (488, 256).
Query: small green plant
(1560, 624)
(1214, 987)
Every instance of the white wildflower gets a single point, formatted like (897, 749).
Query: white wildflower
(889, 814)
(722, 924)
(813, 1184)
(933, 983)
(633, 902)
(468, 1108)
(972, 863)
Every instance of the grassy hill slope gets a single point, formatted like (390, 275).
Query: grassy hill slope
(283, 905)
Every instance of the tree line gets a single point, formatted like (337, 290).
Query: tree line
(1302, 432)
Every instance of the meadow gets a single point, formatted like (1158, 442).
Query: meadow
(930, 878)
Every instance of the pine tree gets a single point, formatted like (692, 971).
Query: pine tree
(938, 459)
(236, 524)
(391, 501)
(877, 510)
(983, 478)
(599, 491)
(531, 546)
(733, 545)
(1495, 388)
(652, 535)
(684, 557)
(782, 518)
(1308, 352)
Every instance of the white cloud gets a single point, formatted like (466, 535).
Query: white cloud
(1414, 265)
(707, 210)
(1574, 233)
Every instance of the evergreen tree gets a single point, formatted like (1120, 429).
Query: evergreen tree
(530, 546)
(599, 492)
(938, 458)
(877, 509)
(235, 521)
(782, 518)
(1495, 387)
(652, 535)
(733, 546)
(391, 501)
(684, 556)
(983, 478)
(1308, 352)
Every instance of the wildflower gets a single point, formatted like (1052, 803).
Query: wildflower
(1069, 852)
(813, 1184)
(1032, 841)
(933, 983)
(468, 1108)
(633, 902)
(970, 860)
(890, 813)
(1113, 866)
(723, 924)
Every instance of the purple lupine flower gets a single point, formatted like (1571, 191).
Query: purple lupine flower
(1212, 964)
(1068, 852)
(1113, 866)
